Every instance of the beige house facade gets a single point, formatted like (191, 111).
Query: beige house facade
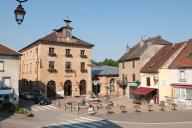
(133, 60)
(156, 75)
(105, 81)
(57, 64)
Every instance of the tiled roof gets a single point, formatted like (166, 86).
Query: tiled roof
(53, 38)
(160, 58)
(184, 59)
(136, 51)
(5, 51)
(105, 71)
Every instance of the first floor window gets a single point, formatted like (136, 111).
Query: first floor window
(51, 65)
(148, 81)
(82, 66)
(6, 82)
(1, 66)
(182, 75)
(133, 77)
(68, 66)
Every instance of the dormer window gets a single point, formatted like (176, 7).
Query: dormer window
(82, 54)
(190, 55)
(68, 53)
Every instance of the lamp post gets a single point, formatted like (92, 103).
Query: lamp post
(20, 12)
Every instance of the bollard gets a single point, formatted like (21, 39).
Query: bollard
(59, 103)
(71, 107)
(78, 109)
(65, 105)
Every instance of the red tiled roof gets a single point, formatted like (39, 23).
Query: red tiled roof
(160, 58)
(184, 59)
(143, 90)
(5, 51)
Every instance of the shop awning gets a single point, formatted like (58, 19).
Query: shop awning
(182, 86)
(143, 90)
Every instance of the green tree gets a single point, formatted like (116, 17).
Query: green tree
(109, 62)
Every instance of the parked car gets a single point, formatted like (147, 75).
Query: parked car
(44, 101)
(26, 95)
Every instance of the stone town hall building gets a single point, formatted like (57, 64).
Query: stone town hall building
(58, 63)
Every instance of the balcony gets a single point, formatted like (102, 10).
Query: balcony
(84, 70)
(83, 56)
(69, 70)
(52, 54)
(52, 70)
(69, 55)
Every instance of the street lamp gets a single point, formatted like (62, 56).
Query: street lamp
(19, 12)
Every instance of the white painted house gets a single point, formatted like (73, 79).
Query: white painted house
(181, 76)
(9, 75)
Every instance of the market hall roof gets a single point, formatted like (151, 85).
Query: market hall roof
(136, 51)
(160, 58)
(5, 51)
(184, 59)
(105, 71)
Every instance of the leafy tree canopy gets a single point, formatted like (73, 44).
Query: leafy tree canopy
(109, 62)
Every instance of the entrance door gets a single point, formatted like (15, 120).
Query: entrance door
(51, 89)
(68, 88)
(82, 87)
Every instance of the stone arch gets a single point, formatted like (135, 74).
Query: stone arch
(51, 89)
(68, 88)
(82, 87)
(112, 85)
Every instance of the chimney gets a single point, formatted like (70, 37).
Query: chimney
(127, 48)
(141, 42)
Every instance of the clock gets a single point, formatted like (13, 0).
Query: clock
(68, 33)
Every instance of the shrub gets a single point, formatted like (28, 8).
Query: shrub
(23, 111)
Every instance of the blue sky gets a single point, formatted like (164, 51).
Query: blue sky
(109, 24)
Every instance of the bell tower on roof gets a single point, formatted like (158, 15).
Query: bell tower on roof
(67, 28)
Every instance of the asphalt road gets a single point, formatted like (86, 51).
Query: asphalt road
(53, 117)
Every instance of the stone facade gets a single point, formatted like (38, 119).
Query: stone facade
(134, 59)
(57, 65)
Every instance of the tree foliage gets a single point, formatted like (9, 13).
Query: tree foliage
(109, 62)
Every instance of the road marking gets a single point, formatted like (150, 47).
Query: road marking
(74, 124)
(34, 109)
(45, 107)
(52, 106)
(91, 119)
(37, 107)
(78, 123)
(86, 121)
(82, 123)
(123, 122)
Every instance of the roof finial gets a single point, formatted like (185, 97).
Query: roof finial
(67, 21)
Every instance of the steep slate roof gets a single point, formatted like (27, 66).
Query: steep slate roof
(160, 58)
(53, 38)
(5, 51)
(105, 71)
(136, 51)
(184, 59)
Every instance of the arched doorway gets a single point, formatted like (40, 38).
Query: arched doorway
(67, 88)
(82, 87)
(112, 85)
(51, 89)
